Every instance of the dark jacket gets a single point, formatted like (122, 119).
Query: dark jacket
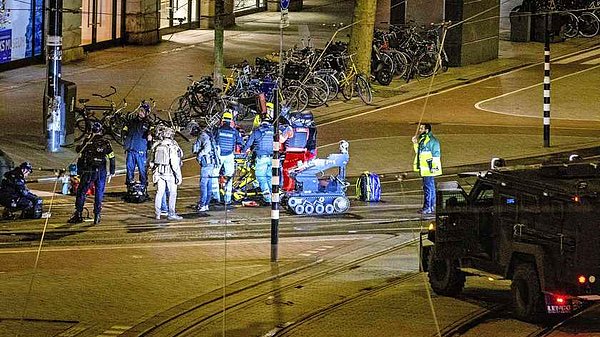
(262, 139)
(136, 134)
(93, 154)
(13, 187)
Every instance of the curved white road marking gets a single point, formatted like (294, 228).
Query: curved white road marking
(538, 85)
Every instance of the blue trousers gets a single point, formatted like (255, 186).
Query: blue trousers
(228, 164)
(206, 184)
(264, 171)
(136, 159)
(98, 178)
(428, 193)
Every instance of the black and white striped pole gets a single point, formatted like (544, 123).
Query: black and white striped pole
(275, 179)
(547, 85)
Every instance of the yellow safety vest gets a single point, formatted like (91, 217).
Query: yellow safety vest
(425, 163)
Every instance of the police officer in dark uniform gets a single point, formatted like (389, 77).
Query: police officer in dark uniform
(14, 194)
(261, 141)
(137, 136)
(92, 169)
(228, 138)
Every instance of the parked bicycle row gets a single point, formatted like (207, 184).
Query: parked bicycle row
(113, 116)
(310, 78)
(408, 51)
(248, 88)
(577, 17)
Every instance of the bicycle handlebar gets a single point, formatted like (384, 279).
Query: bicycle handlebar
(114, 91)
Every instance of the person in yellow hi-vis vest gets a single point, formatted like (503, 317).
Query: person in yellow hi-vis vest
(428, 163)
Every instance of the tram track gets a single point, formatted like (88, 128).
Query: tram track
(290, 327)
(209, 308)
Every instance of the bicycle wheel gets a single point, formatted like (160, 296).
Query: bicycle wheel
(295, 97)
(427, 64)
(180, 103)
(400, 63)
(317, 90)
(84, 128)
(332, 84)
(384, 75)
(364, 89)
(570, 24)
(116, 125)
(588, 24)
(348, 90)
(84, 125)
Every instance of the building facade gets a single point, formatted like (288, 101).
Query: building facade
(95, 24)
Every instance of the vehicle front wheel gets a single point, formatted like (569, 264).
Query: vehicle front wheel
(444, 276)
(527, 297)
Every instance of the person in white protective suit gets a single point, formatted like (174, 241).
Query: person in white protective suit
(165, 162)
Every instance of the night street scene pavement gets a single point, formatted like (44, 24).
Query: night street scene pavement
(510, 247)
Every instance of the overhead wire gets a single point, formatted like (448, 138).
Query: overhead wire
(445, 26)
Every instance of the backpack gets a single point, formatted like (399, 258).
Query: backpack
(136, 193)
(162, 157)
(93, 155)
(368, 187)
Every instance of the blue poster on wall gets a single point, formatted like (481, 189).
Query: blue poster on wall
(21, 30)
(5, 45)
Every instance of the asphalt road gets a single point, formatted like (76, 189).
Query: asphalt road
(117, 276)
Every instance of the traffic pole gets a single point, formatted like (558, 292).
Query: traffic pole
(275, 179)
(547, 85)
(54, 105)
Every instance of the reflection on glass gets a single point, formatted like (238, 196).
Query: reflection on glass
(180, 9)
(86, 22)
(165, 10)
(105, 17)
(240, 5)
(97, 20)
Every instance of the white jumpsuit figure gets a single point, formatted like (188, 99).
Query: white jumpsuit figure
(165, 162)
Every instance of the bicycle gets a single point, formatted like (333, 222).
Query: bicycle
(197, 101)
(351, 82)
(586, 24)
(112, 119)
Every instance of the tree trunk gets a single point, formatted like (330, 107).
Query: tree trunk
(218, 46)
(361, 39)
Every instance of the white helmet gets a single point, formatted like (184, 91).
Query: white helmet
(344, 146)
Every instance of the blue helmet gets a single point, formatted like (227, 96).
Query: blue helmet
(26, 166)
(146, 107)
(96, 127)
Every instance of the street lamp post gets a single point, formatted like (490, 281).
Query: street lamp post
(54, 105)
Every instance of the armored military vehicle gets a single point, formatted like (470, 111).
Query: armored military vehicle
(536, 225)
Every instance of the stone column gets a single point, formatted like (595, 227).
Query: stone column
(295, 5)
(207, 14)
(425, 12)
(382, 15)
(473, 41)
(142, 21)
